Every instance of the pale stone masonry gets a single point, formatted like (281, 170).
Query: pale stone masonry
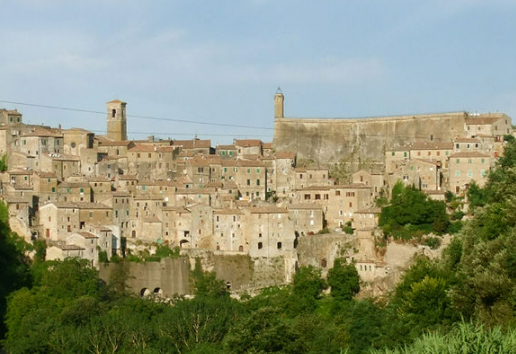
(71, 187)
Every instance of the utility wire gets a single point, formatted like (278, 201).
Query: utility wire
(138, 116)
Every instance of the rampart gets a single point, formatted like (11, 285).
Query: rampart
(164, 278)
(361, 142)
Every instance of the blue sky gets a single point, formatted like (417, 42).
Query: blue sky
(221, 61)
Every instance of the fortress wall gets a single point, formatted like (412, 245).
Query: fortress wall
(328, 141)
(169, 275)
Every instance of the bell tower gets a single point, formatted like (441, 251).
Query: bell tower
(278, 104)
(116, 120)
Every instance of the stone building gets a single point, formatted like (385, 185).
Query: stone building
(466, 167)
(116, 120)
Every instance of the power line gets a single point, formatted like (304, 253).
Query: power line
(175, 133)
(138, 116)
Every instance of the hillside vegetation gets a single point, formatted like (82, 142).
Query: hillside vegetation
(462, 303)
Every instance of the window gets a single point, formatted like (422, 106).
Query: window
(457, 161)
(337, 193)
(248, 170)
(278, 245)
(470, 173)
(457, 173)
(260, 245)
(483, 173)
(393, 153)
(113, 113)
(248, 182)
(469, 161)
(257, 182)
(257, 170)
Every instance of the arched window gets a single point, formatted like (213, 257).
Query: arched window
(241, 248)
(113, 113)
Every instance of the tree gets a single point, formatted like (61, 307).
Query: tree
(307, 286)
(344, 280)
(263, 331)
(120, 274)
(198, 321)
(411, 211)
(206, 284)
(14, 271)
(3, 163)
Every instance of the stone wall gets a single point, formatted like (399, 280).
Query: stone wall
(361, 142)
(166, 278)
(321, 250)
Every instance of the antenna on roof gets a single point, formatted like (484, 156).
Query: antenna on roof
(278, 90)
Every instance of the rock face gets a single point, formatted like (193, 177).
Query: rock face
(361, 142)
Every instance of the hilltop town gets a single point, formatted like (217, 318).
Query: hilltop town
(85, 193)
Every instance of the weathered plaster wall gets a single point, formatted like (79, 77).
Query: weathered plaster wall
(362, 141)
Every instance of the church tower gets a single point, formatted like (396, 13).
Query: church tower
(116, 120)
(278, 104)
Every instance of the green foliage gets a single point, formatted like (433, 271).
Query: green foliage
(306, 290)
(432, 242)
(344, 280)
(465, 338)
(206, 284)
(421, 299)
(40, 248)
(263, 331)
(347, 228)
(200, 321)
(118, 278)
(411, 214)
(3, 163)
(362, 325)
(476, 196)
(324, 231)
(103, 257)
(14, 271)
(163, 251)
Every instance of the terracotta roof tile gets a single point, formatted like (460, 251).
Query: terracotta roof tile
(248, 143)
(469, 154)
